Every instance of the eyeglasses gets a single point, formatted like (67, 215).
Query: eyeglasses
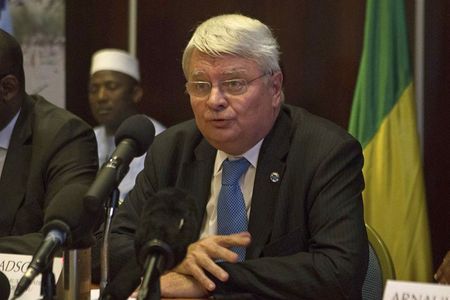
(232, 87)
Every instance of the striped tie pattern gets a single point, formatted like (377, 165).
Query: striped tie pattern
(231, 213)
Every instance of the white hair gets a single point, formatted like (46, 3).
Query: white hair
(236, 35)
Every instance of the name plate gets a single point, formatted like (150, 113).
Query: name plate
(15, 265)
(407, 290)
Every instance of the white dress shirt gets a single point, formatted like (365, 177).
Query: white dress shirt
(209, 225)
(5, 137)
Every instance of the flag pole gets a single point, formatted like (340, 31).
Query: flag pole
(419, 23)
(132, 26)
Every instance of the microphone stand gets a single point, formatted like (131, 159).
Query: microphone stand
(159, 256)
(48, 286)
(110, 206)
(151, 286)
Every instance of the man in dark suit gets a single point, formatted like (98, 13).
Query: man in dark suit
(302, 190)
(42, 149)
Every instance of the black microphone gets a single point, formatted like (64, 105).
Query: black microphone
(5, 287)
(62, 217)
(168, 224)
(133, 137)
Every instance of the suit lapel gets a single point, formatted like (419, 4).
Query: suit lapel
(196, 176)
(14, 178)
(269, 175)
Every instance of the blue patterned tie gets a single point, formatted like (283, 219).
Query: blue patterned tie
(231, 214)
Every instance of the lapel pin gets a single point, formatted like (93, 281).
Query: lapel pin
(274, 177)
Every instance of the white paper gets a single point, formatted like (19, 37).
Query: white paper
(15, 265)
(406, 290)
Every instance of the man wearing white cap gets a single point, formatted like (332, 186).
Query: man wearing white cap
(114, 91)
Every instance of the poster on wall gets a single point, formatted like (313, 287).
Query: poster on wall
(39, 26)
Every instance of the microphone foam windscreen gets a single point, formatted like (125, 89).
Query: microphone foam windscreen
(66, 209)
(5, 287)
(171, 217)
(138, 128)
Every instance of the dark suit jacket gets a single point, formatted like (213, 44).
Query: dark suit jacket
(308, 234)
(49, 148)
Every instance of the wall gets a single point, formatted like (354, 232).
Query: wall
(437, 124)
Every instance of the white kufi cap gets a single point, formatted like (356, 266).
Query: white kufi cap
(115, 60)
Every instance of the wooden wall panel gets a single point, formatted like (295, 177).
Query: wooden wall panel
(90, 25)
(437, 124)
(319, 56)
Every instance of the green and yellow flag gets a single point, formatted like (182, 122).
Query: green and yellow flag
(383, 119)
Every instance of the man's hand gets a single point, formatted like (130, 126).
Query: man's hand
(175, 285)
(443, 273)
(202, 254)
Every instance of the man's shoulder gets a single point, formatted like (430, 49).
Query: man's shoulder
(51, 116)
(42, 107)
(307, 123)
(49, 121)
(184, 135)
(183, 129)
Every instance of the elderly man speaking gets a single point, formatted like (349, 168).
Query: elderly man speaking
(278, 189)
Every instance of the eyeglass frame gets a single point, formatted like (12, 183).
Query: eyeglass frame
(245, 82)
